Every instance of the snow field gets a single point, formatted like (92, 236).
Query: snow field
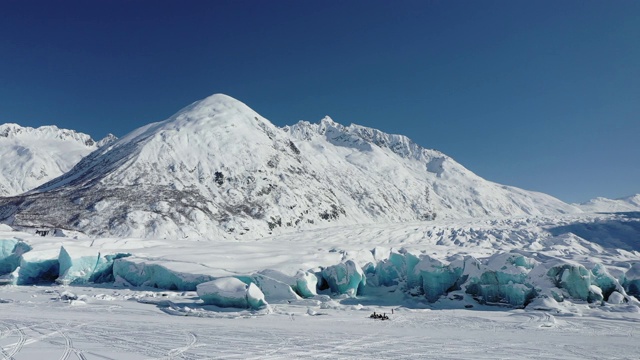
(38, 323)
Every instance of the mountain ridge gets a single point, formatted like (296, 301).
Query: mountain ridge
(32, 156)
(602, 204)
(218, 169)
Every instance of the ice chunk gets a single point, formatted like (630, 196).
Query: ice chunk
(78, 265)
(306, 283)
(38, 266)
(68, 296)
(345, 278)
(595, 293)
(141, 272)
(231, 292)
(437, 277)
(616, 298)
(274, 290)
(11, 278)
(398, 269)
(255, 297)
(632, 280)
(607, 283)
(576, 280)
(502, 279)
(11, 251)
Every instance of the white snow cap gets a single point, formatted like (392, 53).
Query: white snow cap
(217, 169)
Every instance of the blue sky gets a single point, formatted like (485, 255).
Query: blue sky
(543, 95)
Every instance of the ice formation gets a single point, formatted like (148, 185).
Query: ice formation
(273, 289)
(38, 266)
(632, 279)
(231, 292)
(306, 283)
(11, 251)
(509, 278)
(80, 265)
(140, 272)
(345, 278)
(541, 276)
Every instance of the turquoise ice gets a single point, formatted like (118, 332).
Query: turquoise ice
(345, 278)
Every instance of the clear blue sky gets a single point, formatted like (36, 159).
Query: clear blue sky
(543, 95)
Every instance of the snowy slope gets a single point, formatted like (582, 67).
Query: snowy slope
(217, 169)
(31, 157)
(600, 204)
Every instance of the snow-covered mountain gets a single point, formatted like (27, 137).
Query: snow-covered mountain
(31, 157)
(601, 204)
(217, 169)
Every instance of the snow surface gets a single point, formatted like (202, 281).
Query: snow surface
(31, 157)
(43, 322)
(600, 204)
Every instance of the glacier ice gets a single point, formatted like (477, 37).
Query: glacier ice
(81, 265)
(11, 251)
(231, 292)
(38, 266)
(517, 278)
(306, 283)
(345, 278)
(632, 280)
(138, 272)
(503, 279)
(576, 280)
(397, 269)
(274, 290)
(604, 281)
(437, 278)
(10, 278)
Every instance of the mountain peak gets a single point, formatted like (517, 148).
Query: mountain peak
(217, 169)
(33, 156)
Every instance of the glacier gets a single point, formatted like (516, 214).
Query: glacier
(419, 264)
(505, 278)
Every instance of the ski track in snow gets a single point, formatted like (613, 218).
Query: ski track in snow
(38, 327)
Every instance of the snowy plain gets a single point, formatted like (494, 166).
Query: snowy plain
(123, 324)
